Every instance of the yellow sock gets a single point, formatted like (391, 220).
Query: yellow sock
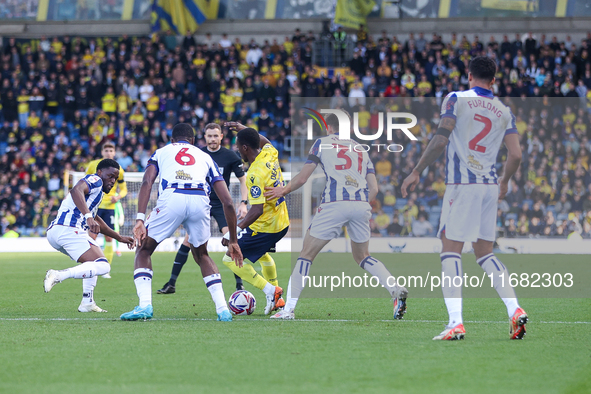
(269, 269)
(247, 273)
(109, 251)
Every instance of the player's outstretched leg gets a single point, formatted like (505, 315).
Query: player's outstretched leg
(213, 281)
(495, 268)
(247, 273)
(451, 272)
(294, 288)
(398, 293)
(90, 269)
(179, 261)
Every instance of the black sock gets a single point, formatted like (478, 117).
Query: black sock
(238, 280)
(179, 261)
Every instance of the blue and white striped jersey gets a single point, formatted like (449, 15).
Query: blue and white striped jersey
(482, 121)
(69, 215)
(184, 166)
(344, 167)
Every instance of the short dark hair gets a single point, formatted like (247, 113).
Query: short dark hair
(249, 137)
(108, 144)
(107, 163)
(483, 68)
(333, 121)
(183, 131)
(213, 126)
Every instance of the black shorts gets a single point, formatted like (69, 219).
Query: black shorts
(108, 216)
(217, 212)
(255, 245)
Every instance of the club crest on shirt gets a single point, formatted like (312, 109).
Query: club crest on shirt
(350, 181)
(473, 163)
(252, 179)
(255, 192)
(182, 175)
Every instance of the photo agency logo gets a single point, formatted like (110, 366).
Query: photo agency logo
(392, 121)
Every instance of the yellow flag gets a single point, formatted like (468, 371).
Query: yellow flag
(352, 13)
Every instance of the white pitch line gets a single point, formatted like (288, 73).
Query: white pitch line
(300, 320)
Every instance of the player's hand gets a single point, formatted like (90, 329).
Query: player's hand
(127, 240)
(235, 253)
(139, 232)
(225, 242)
(411, 181)
(242, 211)
(274, 192)
(93, 226)
(235, 126)
(503, 188)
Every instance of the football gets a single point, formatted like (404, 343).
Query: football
(242, 302)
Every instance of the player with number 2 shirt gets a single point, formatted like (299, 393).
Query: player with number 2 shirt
(473, 126)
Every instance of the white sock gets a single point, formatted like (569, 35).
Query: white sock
(269, 289)
(214, 285)
(86, 270)
(88, 285)
(142, 278)
(451, 267)
(376, 268)
(492, 265)
(296, 282)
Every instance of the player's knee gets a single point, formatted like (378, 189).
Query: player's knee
(102, 266)
(266, 260)
(227, 260)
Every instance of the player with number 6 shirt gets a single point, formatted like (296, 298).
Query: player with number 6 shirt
(187, 175)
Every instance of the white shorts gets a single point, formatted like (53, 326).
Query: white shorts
(71, 241)
(469, 212)
(174, 209)
(331, 217)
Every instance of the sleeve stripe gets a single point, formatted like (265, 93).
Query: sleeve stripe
(371, 171)
(448, 116)
(511, 131)
(313, 159)
(216, 179)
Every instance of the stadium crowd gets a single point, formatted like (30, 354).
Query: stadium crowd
(62, 97)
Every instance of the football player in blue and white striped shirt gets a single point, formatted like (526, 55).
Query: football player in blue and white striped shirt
(474, 124)
(350, 185)
(68, 233)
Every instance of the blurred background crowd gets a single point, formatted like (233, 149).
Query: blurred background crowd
(62, 97)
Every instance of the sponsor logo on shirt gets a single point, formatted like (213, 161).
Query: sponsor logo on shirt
(182, 175)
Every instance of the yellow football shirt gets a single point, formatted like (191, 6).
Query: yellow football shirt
(263, 172)
(106, 203)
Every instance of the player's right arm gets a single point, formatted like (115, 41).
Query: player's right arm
(78, 192)
(435, 148)
(139, 230)
(237, 126)
(300, 179)
(512, 163)
(221, 190)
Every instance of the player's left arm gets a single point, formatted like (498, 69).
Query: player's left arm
(435, 148)
(255, 211)
(372, 185)
(243, 205)
(512, 164)
(238, 170)
(106, 230)
(122, 191)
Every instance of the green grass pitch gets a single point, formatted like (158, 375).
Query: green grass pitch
(337, 345)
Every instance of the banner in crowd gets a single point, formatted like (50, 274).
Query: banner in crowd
(353, 13)
(182, 16)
